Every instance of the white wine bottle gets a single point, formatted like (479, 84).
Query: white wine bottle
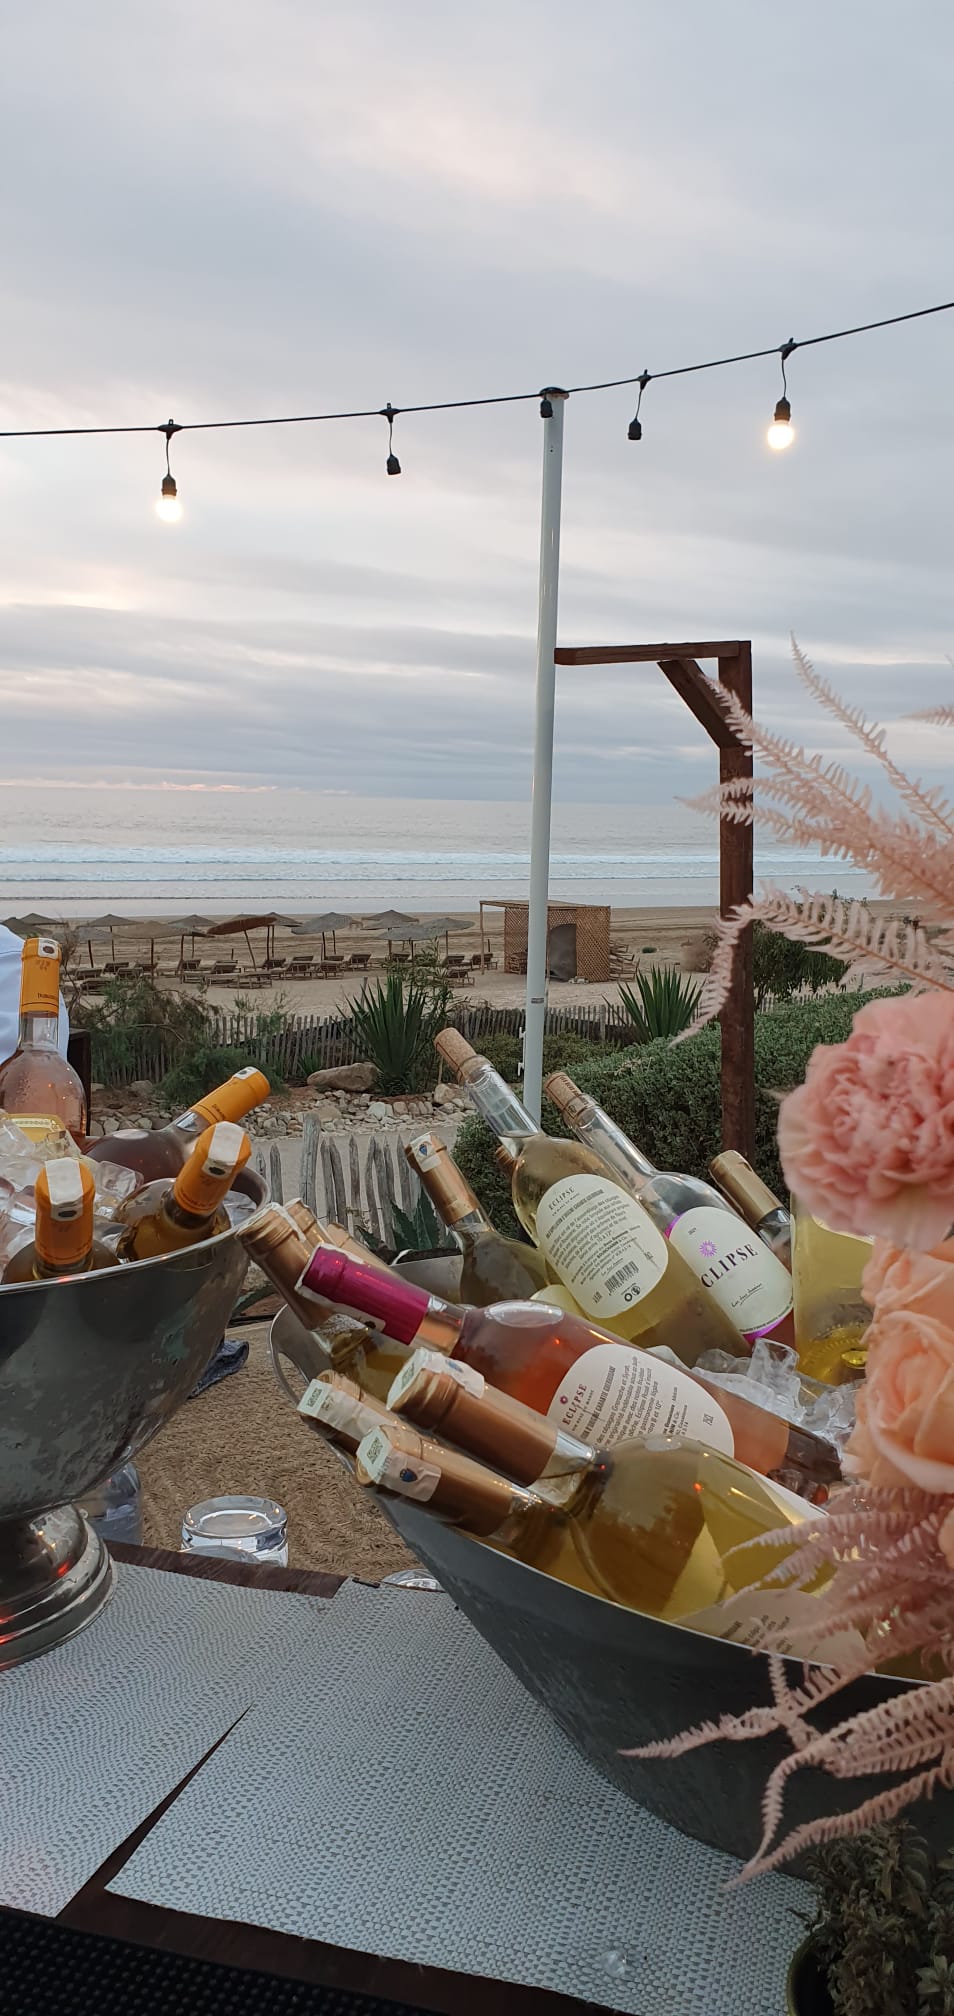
(747, 1281)
(596, 1236)
(494, 1269)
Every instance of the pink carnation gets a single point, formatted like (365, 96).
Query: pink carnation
(867, 1143)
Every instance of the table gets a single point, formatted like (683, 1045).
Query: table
(94, 1909)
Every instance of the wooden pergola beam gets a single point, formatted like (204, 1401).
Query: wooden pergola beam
(705, 699)
(641, 654)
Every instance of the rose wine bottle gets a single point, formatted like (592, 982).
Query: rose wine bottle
(39, 1090)
(447, 1397)
(494, 1269)
(583, 1379)
(593, 1232)
(161, 1151)
(165, 1216)
(655, 1531)
(63, 1241)
(757, 1204)
(748, 1282)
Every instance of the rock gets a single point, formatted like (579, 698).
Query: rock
(142, 1088)
(378, 1111)
(345, 1078)
(446, 1095)
(96, 1091)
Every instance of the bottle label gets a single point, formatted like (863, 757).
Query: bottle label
(603, 1245)
(322, 1402)
(615, 1394)
(776, 1620)
(40, 977)
(747, 1281)
(395, 1471)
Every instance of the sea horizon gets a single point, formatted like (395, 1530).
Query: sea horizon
(153, 853)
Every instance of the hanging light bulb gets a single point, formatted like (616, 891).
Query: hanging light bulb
(781, 433)
(168, 507)
(390, 413)
(634, 431)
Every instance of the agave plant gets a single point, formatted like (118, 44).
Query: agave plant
(662, 1004)
(417, 1231)
(396, 1022)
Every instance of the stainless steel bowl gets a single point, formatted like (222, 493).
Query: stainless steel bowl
(614, 1679)
(90, 1369)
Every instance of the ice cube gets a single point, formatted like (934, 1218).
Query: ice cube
(771, 1378)
(113, 1185)
(239, 1208)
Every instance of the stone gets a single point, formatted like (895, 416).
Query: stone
(96, 1090)
(378, 1111)
(345, 1078)
(142, 1088)
(446, 1095)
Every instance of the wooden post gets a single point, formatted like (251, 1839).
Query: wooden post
(736, 882)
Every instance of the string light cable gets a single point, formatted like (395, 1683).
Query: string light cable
(780, 433)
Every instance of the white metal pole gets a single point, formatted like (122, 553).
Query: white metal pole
(555, 400)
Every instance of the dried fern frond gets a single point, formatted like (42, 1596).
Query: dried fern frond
(931, 806)
(877, 947)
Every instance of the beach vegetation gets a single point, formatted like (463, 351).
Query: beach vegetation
(660, 1004)
(395, 1021)
(783, 967)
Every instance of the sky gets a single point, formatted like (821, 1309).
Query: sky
(227, 209)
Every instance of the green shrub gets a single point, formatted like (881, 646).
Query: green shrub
(781, 966)
(561, 1052)
(661, 1004)
(667, 1097)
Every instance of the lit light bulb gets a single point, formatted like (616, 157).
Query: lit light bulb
(781, 434)
(168, 507)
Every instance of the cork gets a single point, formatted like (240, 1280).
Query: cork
(461, 1489)
(454, 1049)
(487, 1424)
(566, 1097)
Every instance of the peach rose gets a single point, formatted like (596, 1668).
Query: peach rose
(905, 1428)
(867, 1143)
(923, 1283)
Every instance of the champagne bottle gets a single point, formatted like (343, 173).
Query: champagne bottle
(656, 1530)
(39, 1090)
(596, 1237)
(279, 1241)
(758, 1205)
(161, 1151)
(583, 1379)
(165, 1216)
(749, 1284)
(63, 1241)
(831, 1314)
(494, 1269)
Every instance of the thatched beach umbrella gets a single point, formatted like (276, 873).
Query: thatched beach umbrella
(440, 927)
(97, 925)
(331, 920)
(234, 926)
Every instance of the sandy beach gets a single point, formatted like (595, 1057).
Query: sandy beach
(668, 936)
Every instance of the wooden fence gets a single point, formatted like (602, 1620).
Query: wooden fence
(313, 1043)
(352, 1184)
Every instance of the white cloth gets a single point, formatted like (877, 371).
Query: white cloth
(11, 951)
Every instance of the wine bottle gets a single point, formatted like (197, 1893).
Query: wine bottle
(63, 1241)
(494, 1269)
(757, 1204)
(594, 1233)
(276, 1241)
(583, 1379)
(161, 1151)
(749, 1284)
(831, 1314)
(449, 1397)
(341, 1409)
(656, 1530)
(39, 1090)
(165, 1216)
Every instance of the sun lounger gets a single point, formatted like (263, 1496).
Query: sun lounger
(299, 969)
(221, 969)
(357, 962)
(273, 965)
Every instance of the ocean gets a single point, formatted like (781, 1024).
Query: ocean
(161, 851)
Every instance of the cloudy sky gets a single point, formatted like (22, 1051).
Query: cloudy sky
(213, 208)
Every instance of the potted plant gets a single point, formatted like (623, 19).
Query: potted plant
(881, 1938)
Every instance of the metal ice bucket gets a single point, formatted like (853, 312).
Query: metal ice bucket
(90, 1369)
(614, 1679)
